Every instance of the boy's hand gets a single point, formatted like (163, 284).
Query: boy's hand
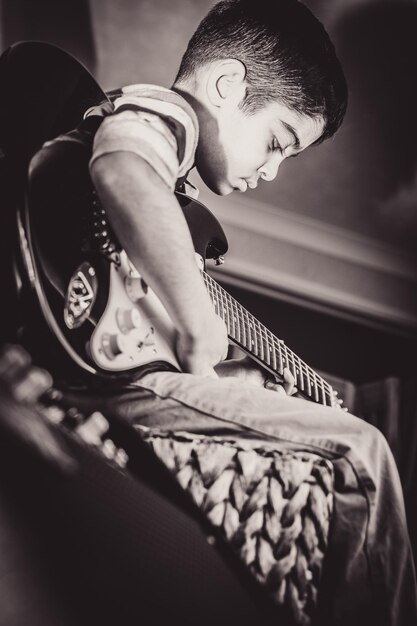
(247, 370)
(287, 386)
(198, 353)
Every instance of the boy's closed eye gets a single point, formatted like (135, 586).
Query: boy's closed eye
(276, 146)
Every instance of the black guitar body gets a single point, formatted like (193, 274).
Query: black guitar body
(44, 92)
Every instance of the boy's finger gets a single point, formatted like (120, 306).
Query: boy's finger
(289, 381)
(272, 385)
(290, 389)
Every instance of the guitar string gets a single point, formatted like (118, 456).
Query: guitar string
(264, 335)
(307, 380)
(251, 322)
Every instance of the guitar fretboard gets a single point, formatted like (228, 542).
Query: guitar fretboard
(254, 338)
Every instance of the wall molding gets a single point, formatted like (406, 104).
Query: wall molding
(292, 256)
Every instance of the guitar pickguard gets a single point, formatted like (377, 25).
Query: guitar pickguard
(134, 329)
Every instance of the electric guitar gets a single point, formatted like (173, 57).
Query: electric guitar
(107, 319)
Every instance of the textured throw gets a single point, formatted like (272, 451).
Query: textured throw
(272, 507)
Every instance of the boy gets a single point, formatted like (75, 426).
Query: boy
(259, 83)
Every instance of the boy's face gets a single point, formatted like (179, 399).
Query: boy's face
(250, 147)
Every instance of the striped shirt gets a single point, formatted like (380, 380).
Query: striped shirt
(155, 123)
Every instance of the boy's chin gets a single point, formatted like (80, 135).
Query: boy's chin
(225, 190)
(219, 188)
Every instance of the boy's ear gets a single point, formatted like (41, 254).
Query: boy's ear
(226, 80)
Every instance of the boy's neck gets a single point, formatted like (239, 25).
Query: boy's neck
(188, 93)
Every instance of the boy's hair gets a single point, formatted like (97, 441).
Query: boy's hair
(286, 51)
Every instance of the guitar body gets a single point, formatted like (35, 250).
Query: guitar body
(94, 301)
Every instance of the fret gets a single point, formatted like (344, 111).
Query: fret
(285, 357)
(213, 297)
(244, 337)
(261, 351)
(308, 382)
(273, 354)
(242, 330)
(323, 392)
(264, 351)
(238, 333)
(249, 338)
(214, 300)
(217, 291)
(228, 313)
(290, 362)
(299, 378)
(231, 315)
(237, 319)
(304, 377)
(223, 309)
(315, 387)
(256, 337)
(304, 380)
(295, 368)
(253, 336)
(295, 364)
(327, 392)
(301, 381)
(327, 398)
(266, 347)
(278, 353)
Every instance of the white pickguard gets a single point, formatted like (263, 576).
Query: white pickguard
(135, 328)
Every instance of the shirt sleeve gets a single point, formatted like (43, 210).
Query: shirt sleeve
(161, 130)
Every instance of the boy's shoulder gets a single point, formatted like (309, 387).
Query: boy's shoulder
(156, 123)
(146, 97)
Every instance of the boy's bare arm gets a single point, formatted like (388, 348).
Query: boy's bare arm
(151, 227)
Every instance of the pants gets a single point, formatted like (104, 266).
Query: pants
(368, 574)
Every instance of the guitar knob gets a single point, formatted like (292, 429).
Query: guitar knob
(136, 288)
(128, 319)
(113, 345)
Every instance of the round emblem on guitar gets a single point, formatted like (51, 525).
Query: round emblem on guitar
(81, 295)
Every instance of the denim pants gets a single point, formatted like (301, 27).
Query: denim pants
(368, 574)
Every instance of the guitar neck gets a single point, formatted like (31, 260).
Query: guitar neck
(255, 339)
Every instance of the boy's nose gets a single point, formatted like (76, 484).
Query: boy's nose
(269, 170)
